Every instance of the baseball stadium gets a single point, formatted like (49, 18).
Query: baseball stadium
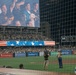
(37, 37)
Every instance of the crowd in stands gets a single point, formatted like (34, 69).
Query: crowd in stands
(31, 49)
(22, 36)
(68, 47)
(24, 49)
(26, 37)
(14, 34)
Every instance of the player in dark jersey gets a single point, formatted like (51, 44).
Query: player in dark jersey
(46, 55)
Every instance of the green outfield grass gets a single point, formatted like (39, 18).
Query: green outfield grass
(36, 63)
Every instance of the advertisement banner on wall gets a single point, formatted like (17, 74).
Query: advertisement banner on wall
(74, 52)
(49, 43)
(41, 53)
(32, 53)
(20, 54)
(54, 53)
(66, 52)
(3, 43)
(27, 43)
(6, 55)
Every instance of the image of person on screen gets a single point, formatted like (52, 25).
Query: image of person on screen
(17, 23)
(21, 3)
(17, 12)
(27, 12)
(32, 20)
(13, 5)
(29, 23)
(23, 18)
(36, 12)
(0, 11)
(6, 16)
(14, 2)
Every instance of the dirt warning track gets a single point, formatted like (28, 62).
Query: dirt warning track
(7, 71)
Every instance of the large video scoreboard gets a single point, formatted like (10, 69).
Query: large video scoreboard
(19, 13)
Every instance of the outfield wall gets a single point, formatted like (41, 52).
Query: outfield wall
(29, 54)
